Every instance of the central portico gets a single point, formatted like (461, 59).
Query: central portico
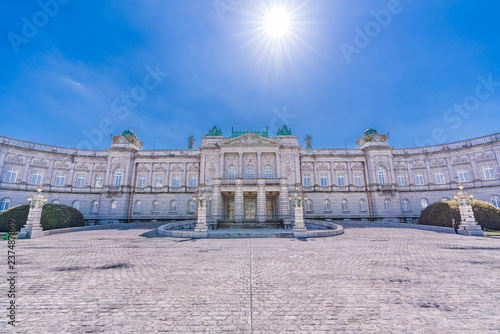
(246, 176)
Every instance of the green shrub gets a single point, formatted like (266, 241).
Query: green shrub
(54, 216)
(441, 213)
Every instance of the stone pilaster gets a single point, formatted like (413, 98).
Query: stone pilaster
(283, 200)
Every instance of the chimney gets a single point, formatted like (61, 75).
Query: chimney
(308, 142)
(191, 143)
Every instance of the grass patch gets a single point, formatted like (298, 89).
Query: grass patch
(491, 233)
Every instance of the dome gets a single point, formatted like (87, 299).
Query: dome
(129, 133)
(370, 132)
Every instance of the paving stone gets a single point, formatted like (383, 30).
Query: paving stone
(382, 280)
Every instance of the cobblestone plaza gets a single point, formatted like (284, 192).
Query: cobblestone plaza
(368, 280)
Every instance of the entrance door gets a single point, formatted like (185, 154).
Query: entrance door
(230, 209)
(270, 208)
(250, 208)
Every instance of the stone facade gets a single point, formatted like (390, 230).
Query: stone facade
(250, 176)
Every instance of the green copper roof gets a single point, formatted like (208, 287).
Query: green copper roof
(239, 133)
(284, 131)
(214, 132)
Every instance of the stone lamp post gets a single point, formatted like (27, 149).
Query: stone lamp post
(33, 227)
(202, 201)
(468, 223)
(297, 201)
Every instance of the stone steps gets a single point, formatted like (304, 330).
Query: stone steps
(249, 225)
(237, 233)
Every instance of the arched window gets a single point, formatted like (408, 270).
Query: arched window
(424, 203)
(387, 204)
(326, 205)
(4, 204)
(94, 207)
(56, 201)
(309, 205)
(495, 200)
(268, 172)
(362, 205)
(345, 205)
(137, 207)
(406, 204)
(118, 177)
(156, 206)
(381, 175)
(250, 172)
(231, 172)
(173, 206)
(191, 206)
(76, 205)
(112, 206)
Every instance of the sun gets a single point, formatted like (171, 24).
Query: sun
(277, 22)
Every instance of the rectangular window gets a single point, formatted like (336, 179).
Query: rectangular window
(324, 180)
(193, 181)
(11, 175)
(99, 181)
(307, 180)
(440, 178)
(80, 181)
(340, 180)
(357, 180)
(36, 178)
(401, 180)
(159, 181)
(176, 181)
(142, 181)
(60, 180)
(419, 179)
(489, 172)
(463, 175)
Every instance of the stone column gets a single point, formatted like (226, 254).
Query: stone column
(261, 201)
(283, 202)
(221, 165)
(278, 166)
(216, 202)
(33, 228)
(238, 201)
(259, 163)
(240, 166)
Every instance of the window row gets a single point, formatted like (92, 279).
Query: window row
(60, 179)
(323, 178)
(250, 172)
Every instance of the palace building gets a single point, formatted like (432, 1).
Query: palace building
(249, 175)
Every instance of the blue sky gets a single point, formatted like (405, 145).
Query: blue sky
(429, 74)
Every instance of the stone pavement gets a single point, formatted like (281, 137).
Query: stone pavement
(368, 280)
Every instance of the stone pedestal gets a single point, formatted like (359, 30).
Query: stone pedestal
(201, 229)
(33, 228)
(468, 225)
(299, 228)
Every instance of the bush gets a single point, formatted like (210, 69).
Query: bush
(54, 216)
(441, 213)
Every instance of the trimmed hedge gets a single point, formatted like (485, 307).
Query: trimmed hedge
(54, 216)
(441, 213)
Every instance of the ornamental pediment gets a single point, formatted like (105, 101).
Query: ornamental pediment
(438, 162)
(482, 156)
(62, 165)
(417, 164)
(462, 160)
(250, 139)
(19, 159)
(40, 163)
